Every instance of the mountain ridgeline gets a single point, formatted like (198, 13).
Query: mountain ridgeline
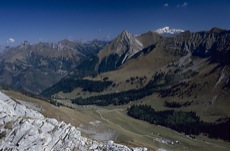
(185, 48)
(213, 43)
(35, 68)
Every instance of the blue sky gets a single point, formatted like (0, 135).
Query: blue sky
(54, 20)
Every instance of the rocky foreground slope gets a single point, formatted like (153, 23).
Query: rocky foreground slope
(22, 128)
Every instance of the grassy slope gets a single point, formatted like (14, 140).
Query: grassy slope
(51, 111)
(142, 66)
(145, 65)
(129, 131)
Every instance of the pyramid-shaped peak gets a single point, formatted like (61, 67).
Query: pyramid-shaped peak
(125, 33)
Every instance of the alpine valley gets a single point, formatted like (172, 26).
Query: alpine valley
(167, 89)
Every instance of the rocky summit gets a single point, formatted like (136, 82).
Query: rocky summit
(23, 128)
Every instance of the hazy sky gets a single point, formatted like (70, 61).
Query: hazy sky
(54, 20)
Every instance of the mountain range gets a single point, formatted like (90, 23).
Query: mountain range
(180, 50)
(165, 69)
(36, 67)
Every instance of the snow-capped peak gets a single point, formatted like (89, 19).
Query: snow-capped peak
(167, 30)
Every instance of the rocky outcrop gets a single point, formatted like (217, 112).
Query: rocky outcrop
(22, 128)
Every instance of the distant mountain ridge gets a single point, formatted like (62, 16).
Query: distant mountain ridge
(212, 43)
(34, 67)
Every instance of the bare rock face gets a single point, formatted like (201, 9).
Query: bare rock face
(22, 128)
(213, 43)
